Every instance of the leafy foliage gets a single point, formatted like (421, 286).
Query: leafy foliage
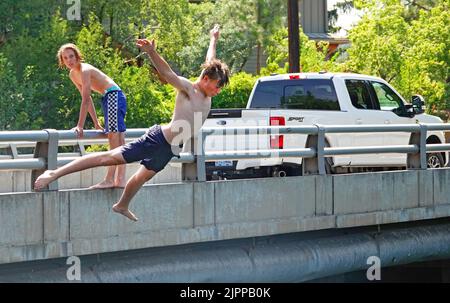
(405, 42)
(312, 55)
(406, 45)
(236, 94)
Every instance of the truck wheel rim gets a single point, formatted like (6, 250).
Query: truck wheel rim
(433, 162)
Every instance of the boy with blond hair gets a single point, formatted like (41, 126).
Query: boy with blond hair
(88, 78)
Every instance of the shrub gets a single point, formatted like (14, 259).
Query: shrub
(236, 94)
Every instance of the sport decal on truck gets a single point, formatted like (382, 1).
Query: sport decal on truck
(299, 119)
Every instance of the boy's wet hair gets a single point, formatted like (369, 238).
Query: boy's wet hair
(71, 46)
(216, 70)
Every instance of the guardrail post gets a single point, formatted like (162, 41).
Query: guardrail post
(321, 150)
(189, 170)
(201, 165)
(310, 166)
(49, 151)
(316, 165)
(12, 150)
(81, 148)
(418, 160)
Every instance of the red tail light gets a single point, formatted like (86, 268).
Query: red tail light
(276, 141)
(294, 77)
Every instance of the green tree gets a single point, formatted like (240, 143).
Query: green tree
(313, 56)
(169, 22)
(12, 99)
(409, 50)
(17, 17)
(236, 94)
(244, 26)
(378, 42)
(34, 61)
(344, 6)
(427, 68)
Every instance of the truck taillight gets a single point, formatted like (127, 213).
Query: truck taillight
(276, 141)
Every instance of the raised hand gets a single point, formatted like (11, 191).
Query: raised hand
(146, 45)
(215, 32)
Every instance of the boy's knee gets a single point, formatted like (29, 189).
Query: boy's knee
(143, 177)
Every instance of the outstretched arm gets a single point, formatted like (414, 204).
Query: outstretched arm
(214, 34)
(163, 67)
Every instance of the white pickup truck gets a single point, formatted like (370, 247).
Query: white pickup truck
(318, 98)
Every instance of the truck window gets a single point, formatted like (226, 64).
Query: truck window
(359, 94)
(312, 94)
(386, 96)
(267, 95)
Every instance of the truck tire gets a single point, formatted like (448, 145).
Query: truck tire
(329, 163)
(435, 160)
(329, 169)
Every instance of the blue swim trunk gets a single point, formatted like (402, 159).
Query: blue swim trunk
(152, 149)
(114, 106)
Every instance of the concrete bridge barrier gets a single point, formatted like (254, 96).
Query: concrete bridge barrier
(62, 223)
(20, 180)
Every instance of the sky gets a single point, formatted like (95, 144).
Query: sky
(344, 20)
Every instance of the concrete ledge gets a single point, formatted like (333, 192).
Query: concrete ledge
(272, 227)
(46, 225)
(21, 219)
(158, 238)
(441, 189)
(324, 195)
(260, 199)
(426, 191)
(20, 180)
(15, 181)
(158, 207)
(393, 216)
(359, 193)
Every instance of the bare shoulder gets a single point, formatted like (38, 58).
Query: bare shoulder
(86, 67)
(74, 75)
(186, 81)
(188, 85)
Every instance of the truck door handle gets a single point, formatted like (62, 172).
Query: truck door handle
(221, 122)
(358, 121)
(387, 121)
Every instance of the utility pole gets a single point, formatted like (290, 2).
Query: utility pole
(293, 37)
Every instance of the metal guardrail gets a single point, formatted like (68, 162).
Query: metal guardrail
(316, 150)
(46, 143)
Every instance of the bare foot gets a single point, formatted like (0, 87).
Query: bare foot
(44, 179)
(125, 212)
(120, 184)
(103, 184)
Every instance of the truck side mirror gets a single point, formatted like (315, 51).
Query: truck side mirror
(418, 103)
(409, 111)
